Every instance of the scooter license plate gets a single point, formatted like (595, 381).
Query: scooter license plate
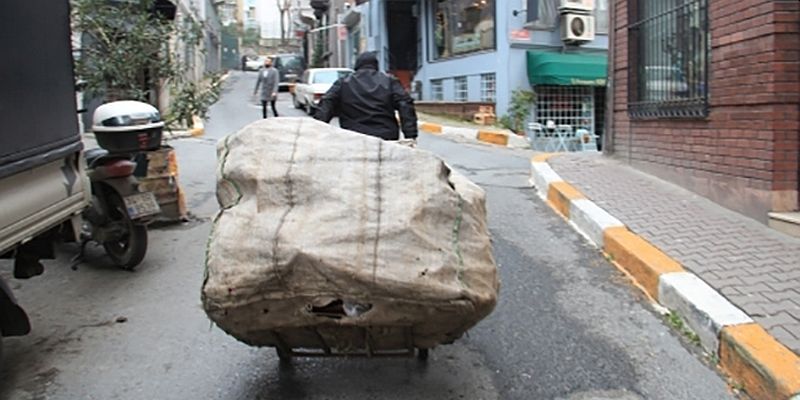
(141, 205)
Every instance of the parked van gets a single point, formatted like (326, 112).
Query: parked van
(43, 185)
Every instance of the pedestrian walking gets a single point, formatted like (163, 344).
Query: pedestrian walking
(268, 81)
(366, 102)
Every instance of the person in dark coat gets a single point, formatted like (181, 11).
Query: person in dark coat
(366, 101)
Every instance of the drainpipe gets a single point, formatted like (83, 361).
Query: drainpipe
(609, 136)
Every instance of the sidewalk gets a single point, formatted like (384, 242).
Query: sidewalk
(753, 267)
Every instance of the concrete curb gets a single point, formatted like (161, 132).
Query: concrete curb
(766, 369)
(498, 138)
(198, 128)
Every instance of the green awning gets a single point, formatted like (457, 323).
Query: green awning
(547, 68)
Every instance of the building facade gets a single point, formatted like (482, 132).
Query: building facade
(707, 95)
(456, 53)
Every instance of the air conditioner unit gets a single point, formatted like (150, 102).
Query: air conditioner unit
(577, 28)
(576, 6)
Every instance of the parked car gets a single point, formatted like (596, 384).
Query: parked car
(290, 67)
(314, 83)
(254, 63)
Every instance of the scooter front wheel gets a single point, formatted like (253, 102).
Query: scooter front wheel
(129, 250)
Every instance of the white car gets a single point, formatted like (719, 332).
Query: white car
(314, 84)
(254, 64)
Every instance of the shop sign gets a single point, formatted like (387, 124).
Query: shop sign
(520, 34)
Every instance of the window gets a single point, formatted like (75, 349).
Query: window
(462, 27)
(544, 16)
(601, 16)
(488, 88)
(462, 89)
(437, 94)
(566, 105)
(669, 50)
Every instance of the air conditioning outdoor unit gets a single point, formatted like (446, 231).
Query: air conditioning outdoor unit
(577, 28)
(576, 6)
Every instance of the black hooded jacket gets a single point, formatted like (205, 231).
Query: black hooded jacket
(366, 101)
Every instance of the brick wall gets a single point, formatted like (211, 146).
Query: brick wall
(744, 155)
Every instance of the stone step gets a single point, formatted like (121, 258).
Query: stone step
(786, 222)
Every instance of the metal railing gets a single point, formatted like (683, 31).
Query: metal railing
(669, 52)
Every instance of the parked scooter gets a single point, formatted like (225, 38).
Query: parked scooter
(119, 212)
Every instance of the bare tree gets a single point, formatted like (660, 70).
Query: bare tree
(283, 7)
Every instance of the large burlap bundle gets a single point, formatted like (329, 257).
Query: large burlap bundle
(315, 219)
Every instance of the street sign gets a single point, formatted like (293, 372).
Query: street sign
(342, 33)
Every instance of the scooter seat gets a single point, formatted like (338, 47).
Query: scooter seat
(93, 155)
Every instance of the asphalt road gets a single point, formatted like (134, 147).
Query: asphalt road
(567, 325)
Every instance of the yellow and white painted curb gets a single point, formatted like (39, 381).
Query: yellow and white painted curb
(198, 127)
(499, 138)
(747, 353)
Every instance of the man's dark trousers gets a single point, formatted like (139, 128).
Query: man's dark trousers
(264, 108)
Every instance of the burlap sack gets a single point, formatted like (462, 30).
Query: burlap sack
(327, 237)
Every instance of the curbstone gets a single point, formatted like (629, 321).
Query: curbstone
(703, 308)
(466, 133)
(542, 158)
(643, 261)
(592, 220)
(766, 368)
(498, 138)
(560, 195)
(518, 142)
(428, 127)
(198, 128)
(542, 176)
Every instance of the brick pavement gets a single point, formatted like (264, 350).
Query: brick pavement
(756, 268)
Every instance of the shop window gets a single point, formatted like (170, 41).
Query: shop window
(488, 88)
(462, 88)
(462, 27)
(669, 48)
(437, 94)
(566, 105)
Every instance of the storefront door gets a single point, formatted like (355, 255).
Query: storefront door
(402, 30)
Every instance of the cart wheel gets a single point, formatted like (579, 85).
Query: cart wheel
(422, 354)
(283, 356)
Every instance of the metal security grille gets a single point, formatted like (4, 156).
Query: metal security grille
(566, 105)
(462, 90)
(488, 88)
(669, 47)
(437, 94)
